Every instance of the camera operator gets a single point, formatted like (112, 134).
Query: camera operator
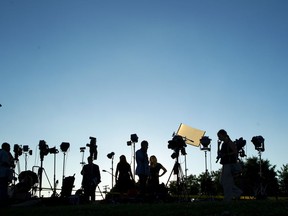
(91, 179)
(6, 172)
(228, 157)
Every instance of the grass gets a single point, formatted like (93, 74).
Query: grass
(241, 207)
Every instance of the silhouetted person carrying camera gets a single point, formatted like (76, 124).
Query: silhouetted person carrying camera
(228, 157)
(123, 175)
(91, 179)
(142, 169)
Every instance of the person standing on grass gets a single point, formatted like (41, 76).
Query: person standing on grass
(142, 168)
(123, 175)
(155, 167)
(91, 179)
(228, 157)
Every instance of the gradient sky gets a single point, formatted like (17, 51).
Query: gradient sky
(71, 69)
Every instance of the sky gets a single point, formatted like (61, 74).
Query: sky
(71, 69)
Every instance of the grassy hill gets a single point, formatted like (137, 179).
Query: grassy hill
(241, 207)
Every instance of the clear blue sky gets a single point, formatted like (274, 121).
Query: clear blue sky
(70, 69)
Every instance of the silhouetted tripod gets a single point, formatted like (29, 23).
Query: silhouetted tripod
(180, 180)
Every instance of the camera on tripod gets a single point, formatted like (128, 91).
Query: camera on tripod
(133, 139)
(45, 150)
(92, 148)
(178, 145)
(17, 151)
(240, 143)
(26, 149)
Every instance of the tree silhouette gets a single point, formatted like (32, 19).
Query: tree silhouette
(192, 185)
(252, 182)
(283, 180)
(259, 181)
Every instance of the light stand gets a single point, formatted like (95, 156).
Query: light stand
(17, 152)
(133, 140)
(186, 169)
(55, 151)
(258, 142)
(64, 148)
(205, 146)
(82, 150)
(26, 151)
(111, 156)
(43, 151)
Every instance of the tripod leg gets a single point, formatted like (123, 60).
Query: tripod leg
(170, 176)
(100, 192)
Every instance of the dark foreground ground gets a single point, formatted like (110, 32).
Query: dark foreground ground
(240, 207)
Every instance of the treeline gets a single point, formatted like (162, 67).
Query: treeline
(258, 179)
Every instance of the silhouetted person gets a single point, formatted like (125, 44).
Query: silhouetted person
(6, 172)
(123, 175)
(228, 156)
(155, 168)
(91, 179)
(142, 169)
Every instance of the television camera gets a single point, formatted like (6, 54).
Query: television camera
(240, 143)
(178, 145)
(133, 139)
(17, 151)
(45, 150)
(26, 149)
(92, 148)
